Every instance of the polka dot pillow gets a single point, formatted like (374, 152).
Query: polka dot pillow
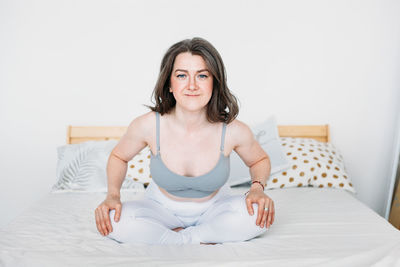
(312, 163)
(139, 168)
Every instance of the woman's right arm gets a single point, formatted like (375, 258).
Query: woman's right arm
(131, 143)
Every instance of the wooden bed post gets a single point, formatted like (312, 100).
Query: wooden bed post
(69, 134)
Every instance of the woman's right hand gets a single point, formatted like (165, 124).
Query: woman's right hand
(102, 212)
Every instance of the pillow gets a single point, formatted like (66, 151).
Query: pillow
(267, 136)
(312, 163)
(82, 168)
(139, 168)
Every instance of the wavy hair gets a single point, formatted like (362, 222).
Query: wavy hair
(223, 105)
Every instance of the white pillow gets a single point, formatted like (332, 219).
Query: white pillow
(312, 163)
(267, 136)
(82, 168)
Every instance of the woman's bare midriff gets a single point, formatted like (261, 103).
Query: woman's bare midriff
(185, 199)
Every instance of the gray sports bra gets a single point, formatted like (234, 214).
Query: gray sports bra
(185, 186)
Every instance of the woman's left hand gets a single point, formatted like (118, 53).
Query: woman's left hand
(264, 217)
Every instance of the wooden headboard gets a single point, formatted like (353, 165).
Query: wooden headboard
(79, 134)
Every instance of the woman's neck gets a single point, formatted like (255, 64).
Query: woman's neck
(189, 121)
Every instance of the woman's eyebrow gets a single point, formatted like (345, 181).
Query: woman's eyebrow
(187, 71)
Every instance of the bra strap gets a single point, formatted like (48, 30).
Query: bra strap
(223, 137)
(158, 132)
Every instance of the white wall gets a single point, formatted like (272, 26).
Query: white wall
(96, 62)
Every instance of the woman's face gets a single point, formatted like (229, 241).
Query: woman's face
(191, 82)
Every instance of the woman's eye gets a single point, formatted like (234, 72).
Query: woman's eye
(181, 75)
(202, 76)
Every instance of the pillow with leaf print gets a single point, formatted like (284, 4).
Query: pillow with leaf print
(139, 168)
(82, 168)
(312, 163)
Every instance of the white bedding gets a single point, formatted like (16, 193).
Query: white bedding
(313, 227)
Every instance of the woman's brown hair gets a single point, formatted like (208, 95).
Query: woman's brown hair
(223, 105)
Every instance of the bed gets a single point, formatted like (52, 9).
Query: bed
(313, 227)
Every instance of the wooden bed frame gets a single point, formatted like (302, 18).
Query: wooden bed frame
(79, 134)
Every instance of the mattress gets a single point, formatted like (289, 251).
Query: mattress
(313, 227)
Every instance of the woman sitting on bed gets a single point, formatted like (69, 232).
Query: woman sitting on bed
(191, 132)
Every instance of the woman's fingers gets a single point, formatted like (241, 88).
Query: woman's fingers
(99, 228)
(103, 229)
(103, 220)
(265, 214)
(118, 208)
(269, 215)
(273, 213)
(106, 218)
(102, 223)
(264, 217)
(260, 214)
(249, 207)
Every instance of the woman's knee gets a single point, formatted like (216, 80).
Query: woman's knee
(127, 212)
(239, 205)
(126, 220)
(242, 226)
(243, 213)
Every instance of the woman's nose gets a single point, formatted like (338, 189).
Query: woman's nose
(192, 83)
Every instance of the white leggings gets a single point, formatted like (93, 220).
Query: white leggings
(223, 218)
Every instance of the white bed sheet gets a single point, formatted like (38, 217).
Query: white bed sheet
(313, 227)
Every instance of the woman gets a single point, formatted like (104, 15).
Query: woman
(188, 200)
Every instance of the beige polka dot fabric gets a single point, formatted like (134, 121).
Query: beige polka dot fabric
(314, 164)
(139, 167)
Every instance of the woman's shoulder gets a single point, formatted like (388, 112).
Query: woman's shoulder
(238, 130)
(144, 123)
(144, 118)
(238, 126)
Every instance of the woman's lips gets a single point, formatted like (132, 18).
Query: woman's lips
(192, 95)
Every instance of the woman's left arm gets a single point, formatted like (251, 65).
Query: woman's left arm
(252, 154)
